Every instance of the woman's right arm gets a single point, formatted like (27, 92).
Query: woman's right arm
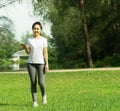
(27, 49)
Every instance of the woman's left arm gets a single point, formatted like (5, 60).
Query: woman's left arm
(45, 52)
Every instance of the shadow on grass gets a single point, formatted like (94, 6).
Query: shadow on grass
(15, 104)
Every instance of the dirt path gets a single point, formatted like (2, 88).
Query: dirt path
(66, 70)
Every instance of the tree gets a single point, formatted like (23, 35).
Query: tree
(66, 34)
(86, 35)
(8, 44)
(101, 19)
(61, 13)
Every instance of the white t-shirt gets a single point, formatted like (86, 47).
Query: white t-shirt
(36, 49)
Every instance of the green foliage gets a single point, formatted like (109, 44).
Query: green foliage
(109, 61)
(53, 63)
(66, 47)
(103, 21)
(8, 44)
(4, 64)
(66, 32)
(67, 35)
(105, 37)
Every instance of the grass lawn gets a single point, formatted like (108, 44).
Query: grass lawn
(74, 91)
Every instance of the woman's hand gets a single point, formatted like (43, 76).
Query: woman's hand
(27, 49)
(24, 46)
(46, 68)
(45, 53)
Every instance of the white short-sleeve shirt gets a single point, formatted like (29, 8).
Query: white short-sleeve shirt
(36, 49)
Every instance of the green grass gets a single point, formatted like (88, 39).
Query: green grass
(74, 91)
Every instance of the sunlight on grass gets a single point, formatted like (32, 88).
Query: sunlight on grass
(74, 91)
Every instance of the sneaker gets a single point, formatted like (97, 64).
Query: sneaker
(35, 104)
(44, 99)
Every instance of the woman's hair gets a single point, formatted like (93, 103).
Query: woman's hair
(37, 23)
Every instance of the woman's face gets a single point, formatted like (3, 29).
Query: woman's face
(36, 30)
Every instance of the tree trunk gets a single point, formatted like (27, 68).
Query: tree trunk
(86, 36)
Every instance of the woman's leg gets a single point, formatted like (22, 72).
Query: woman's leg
(32, 74)
(41, 81)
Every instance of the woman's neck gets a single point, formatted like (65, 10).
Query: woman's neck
(37, 36)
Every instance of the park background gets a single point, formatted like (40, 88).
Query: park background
(81, 34)
(83, 37)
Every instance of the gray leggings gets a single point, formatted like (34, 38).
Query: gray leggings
(34, 71)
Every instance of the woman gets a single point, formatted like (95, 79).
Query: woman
(38, 61)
